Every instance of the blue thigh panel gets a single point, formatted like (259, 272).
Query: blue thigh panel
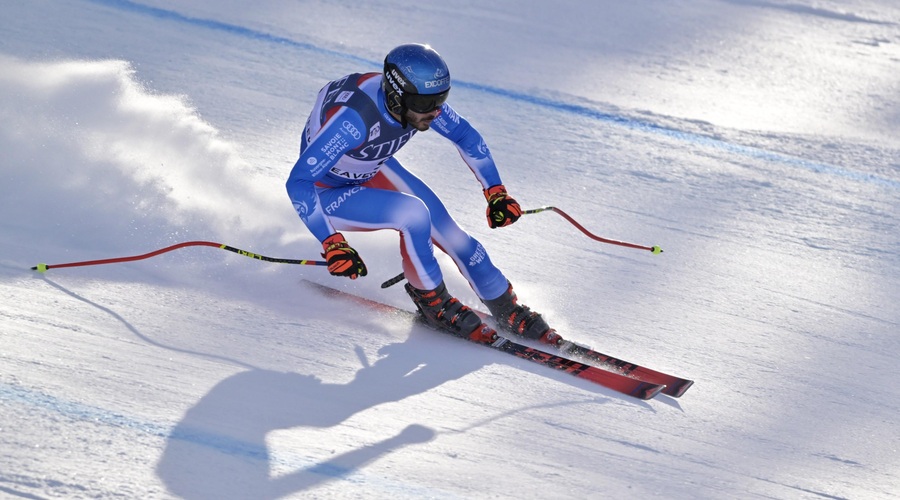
(470, 257)
(359, 208)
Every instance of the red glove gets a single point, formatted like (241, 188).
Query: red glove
(342, 260)
(502, 209)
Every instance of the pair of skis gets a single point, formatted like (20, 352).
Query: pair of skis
(649, 385)
(613, 373)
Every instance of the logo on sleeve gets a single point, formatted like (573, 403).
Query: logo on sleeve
(306, 206)
(351, 129)
(344, 96)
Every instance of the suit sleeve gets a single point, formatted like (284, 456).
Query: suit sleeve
(332, 141)
(470, 144)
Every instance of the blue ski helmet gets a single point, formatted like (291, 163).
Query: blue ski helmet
(415, 78)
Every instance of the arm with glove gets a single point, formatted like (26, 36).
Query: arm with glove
(342, 259)
(312, 165)
(502, 209)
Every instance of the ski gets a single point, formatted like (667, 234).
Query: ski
(618, 382)
(613, 380)
(674, 386)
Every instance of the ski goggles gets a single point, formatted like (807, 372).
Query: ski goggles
(425, 103)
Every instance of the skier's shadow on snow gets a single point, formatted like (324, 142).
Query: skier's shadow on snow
(218, 450)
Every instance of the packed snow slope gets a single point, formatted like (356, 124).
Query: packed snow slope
(754, 140)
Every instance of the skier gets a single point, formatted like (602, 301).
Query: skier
(347, 179)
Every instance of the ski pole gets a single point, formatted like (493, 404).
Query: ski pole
(654, 249)
(393, 281)
(42, 268)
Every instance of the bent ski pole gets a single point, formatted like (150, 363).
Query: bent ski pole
(654, 249)
(41, 268)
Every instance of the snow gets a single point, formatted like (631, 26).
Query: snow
(755, 141)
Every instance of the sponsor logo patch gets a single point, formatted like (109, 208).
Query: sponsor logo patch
(437, 83)
(335, 146)
(375, 131)
(344, 96)
(351, 129)
(478, 256)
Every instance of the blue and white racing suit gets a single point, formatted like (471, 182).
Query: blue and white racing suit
(347, 179)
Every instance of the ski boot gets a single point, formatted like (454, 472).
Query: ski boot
(521, 320)
(443, 312)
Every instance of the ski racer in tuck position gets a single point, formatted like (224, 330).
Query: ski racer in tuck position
(347, 179)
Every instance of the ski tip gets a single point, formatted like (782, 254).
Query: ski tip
(678, 390)
(648, 390)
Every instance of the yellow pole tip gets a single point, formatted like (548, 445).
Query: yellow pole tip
(41, 268)
(656, 249)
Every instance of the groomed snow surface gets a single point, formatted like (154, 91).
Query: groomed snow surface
(756, 141)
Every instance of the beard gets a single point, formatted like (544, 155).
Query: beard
(418, 121)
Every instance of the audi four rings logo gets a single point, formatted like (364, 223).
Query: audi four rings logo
(351, 129)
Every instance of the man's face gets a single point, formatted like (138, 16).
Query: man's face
(421, 121)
